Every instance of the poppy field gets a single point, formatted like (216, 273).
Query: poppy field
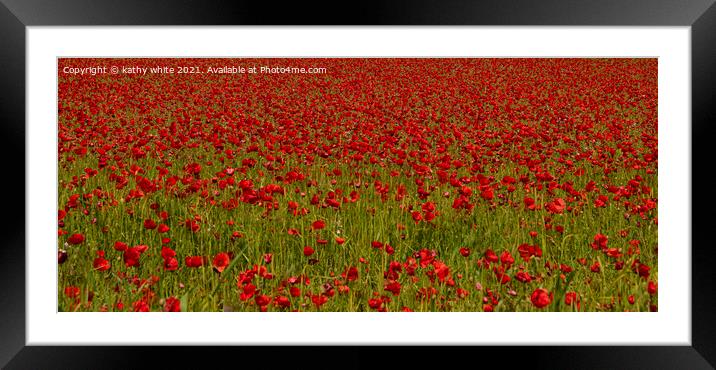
(357, 184)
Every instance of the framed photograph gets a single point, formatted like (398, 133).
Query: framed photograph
(467, 175)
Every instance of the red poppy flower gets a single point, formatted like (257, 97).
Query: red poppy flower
(375, 303)
(523, 277)
(600, 242)
(168, 252)
(140, 306)
(120, 246)
(162, 228)
(262, 300)
(541, 298)
(149, 224)
(491, 256)
(308, 251)
(501, 276)
(282, 302)
(319, 300)
(643, 270)
(100, 263)
(613, 252)
(172, 304)
(352, 274)
(507, 259)
(318, 225)
(221, 261)
(465, 252)
(529, 203)
(527, 251)
(131, 255)
(441, 270)
(247, 291)
(601, 201)
(72, 291)
(171, 264)
(393, 287)
(194, 261)
(618, 265)
(76, 239)
(61, 256)
(570, 297)
(557, 206)
(462, 293)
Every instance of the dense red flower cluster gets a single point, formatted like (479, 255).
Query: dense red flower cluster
(377, 185)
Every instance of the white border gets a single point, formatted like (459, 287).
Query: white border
(671, 325)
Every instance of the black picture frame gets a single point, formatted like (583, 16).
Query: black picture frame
(16, 15)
